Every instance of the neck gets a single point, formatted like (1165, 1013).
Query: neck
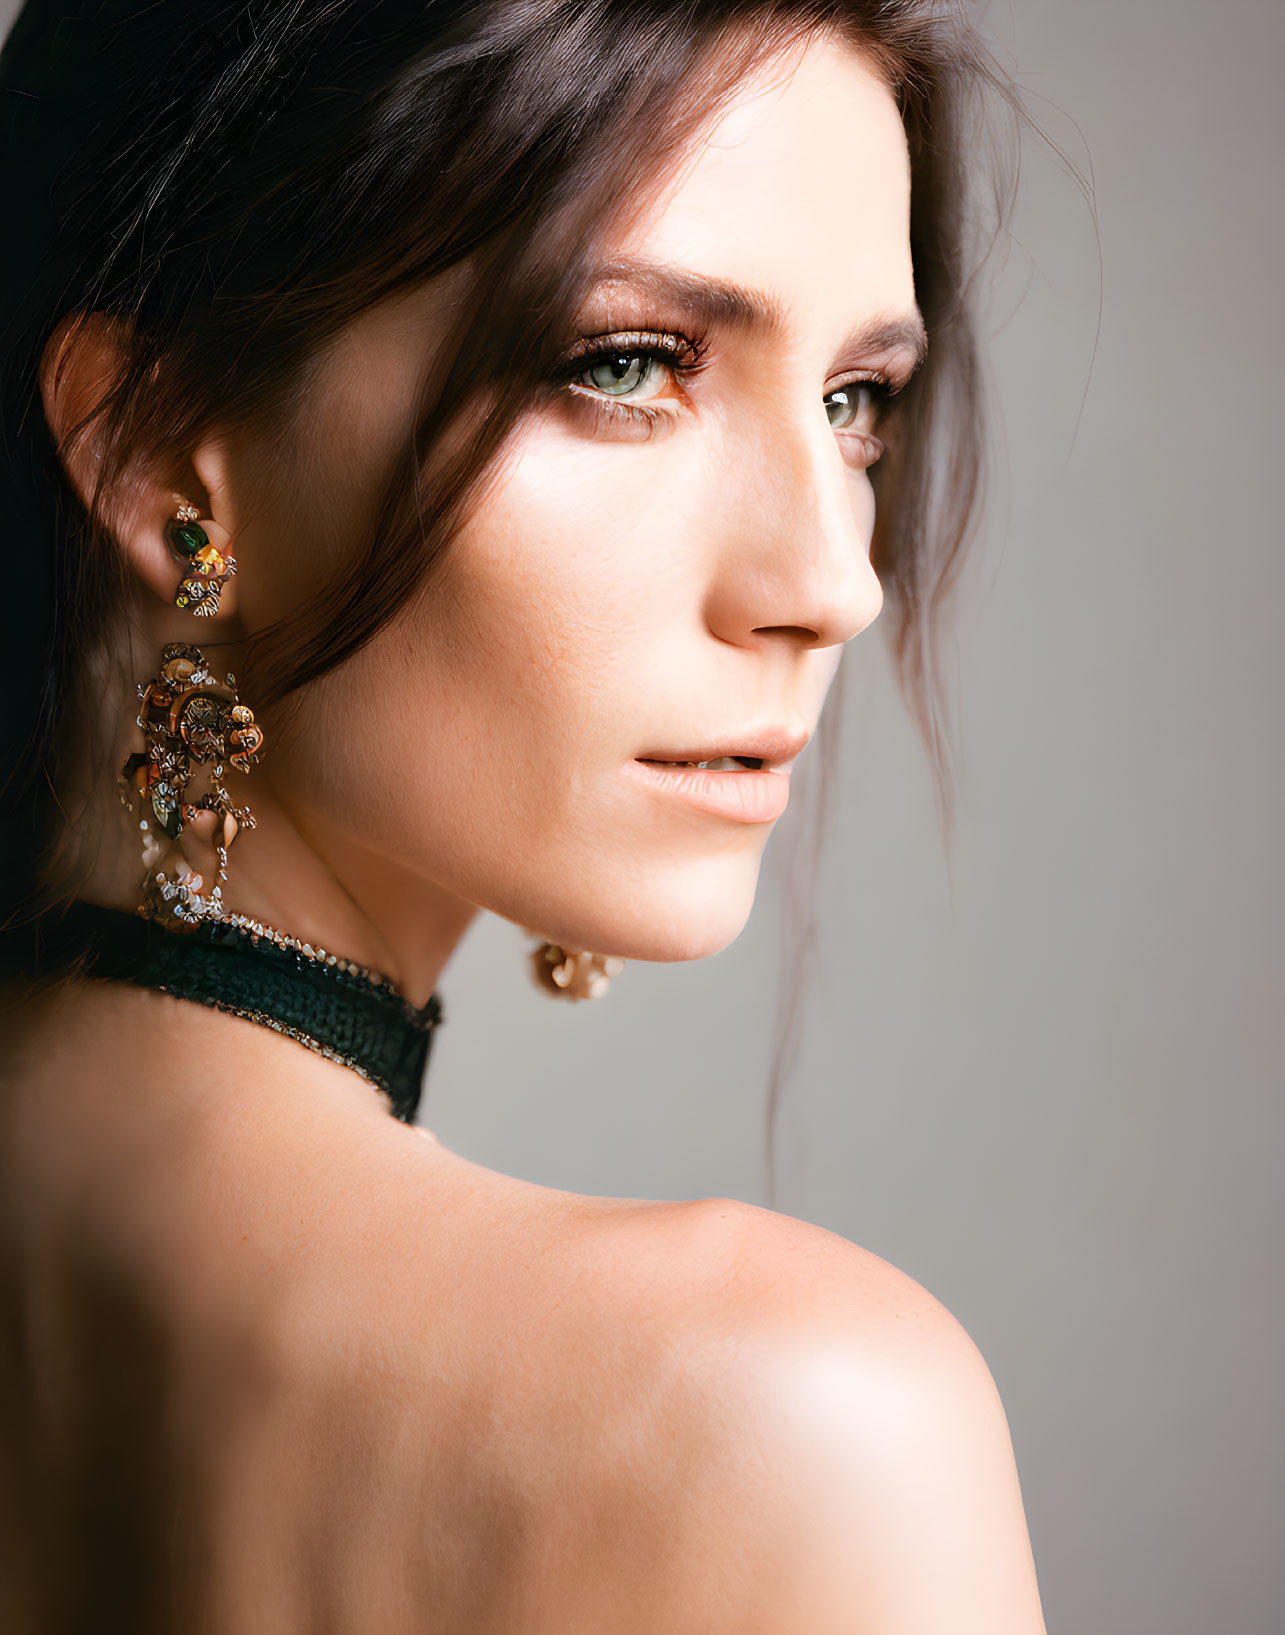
(335, 894)
(324, 890)
(243, 968)
(324, 886)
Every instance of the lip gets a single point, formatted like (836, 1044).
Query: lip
(744, 797)
(775, 746)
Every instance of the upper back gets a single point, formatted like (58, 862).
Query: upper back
(290, 1373)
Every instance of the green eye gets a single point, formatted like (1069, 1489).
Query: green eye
(619, 373)
(853, 407)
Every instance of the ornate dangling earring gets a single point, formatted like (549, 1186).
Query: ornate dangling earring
(188, 719)
(206, 566)
(557, 970)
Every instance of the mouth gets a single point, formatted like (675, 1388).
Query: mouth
(721, 763)
(769, 749)
(740, 787)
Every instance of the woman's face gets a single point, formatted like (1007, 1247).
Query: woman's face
(669, 561)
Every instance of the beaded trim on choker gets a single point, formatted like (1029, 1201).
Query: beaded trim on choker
(283, 939)
(333, 1006)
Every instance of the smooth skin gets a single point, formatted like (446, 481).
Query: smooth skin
(402, 1392)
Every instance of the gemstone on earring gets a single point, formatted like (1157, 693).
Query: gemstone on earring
(185, 538)
(210, 561)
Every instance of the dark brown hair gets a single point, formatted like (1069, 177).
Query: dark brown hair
(230, 184)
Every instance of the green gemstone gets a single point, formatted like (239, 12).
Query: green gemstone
(186, 538)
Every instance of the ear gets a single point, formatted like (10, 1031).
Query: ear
(82, 361)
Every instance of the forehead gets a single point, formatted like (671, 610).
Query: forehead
(800, 188)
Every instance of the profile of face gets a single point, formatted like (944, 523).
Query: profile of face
(670, 557)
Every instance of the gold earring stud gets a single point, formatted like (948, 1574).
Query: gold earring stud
(207, 566)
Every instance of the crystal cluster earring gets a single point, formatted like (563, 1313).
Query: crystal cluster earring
(207, 565)
(571, 975)
(190, 720)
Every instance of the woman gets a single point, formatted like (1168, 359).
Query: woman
(438, 416)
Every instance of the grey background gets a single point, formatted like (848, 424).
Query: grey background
(1044, 1076)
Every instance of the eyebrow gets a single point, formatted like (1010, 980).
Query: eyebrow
(718, 302)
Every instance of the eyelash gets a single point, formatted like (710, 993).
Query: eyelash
(686, 358)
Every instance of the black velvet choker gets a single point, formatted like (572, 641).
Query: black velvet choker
(339, 1009)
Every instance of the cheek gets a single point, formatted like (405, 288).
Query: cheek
(525, 659)
(567, 577)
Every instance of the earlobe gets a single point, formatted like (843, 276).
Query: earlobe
(141, 510)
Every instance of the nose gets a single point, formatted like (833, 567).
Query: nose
(796, 526)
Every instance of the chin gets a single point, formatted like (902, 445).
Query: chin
(662, 926)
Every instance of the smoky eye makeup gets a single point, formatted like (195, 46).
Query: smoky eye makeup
(631, 362)
(629, 381)
(619, 378)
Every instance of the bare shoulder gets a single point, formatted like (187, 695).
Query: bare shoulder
(730, 1268)
(711, 1417)
(837, 1457)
